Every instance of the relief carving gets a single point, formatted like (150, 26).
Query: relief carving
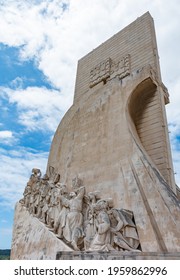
(121, 68)
(102, 238)
(73, 230)
(100, 73)
(124, 230)
(64, 210)
(109, 69)
(83, 221)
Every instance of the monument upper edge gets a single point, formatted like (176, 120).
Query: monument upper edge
(147, 14)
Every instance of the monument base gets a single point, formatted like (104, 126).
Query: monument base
(116, 256)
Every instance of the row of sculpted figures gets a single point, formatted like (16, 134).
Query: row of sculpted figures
(85, 222)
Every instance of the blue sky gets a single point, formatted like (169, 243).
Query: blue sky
(40, 44)
(17, 74)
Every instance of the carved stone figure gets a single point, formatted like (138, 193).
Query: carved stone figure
(43, 193)
(73, 230)
(53, 176)
(124, 231)
(101, 240)
(36, 197)
(51, 207)
(54, 205)
(27, 195)
(35, 177)
(89, 217)
(64, 205)
(49, 217)
(30, 189)
(31, 200)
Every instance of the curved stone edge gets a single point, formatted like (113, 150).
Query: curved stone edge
(32, 240)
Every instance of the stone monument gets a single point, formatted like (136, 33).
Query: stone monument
(109, 190)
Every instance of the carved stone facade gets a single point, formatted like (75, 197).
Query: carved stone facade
(109, 69)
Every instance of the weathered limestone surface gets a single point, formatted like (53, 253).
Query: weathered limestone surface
(32, 240)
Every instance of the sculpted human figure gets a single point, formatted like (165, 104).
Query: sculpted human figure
(101, 240)
(89, 217)
(35, 177)
(54, 177)
(46, 206)
(124, 231)
(31, 185)
(52, 197)
(31, 200)
(36, 198)
(49, 217)
(40, 206)
(73, 230)
(54, 205)
(43, 190)
(64, 210)
(27, 195)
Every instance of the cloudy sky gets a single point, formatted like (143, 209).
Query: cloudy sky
(40, 44)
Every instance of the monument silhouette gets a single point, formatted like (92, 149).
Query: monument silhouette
(109, 190)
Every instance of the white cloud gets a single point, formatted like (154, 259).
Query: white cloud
(56, 39)
(38, 108)
(16, 166)
(5, 134)
(173, 116)
(173, 111)
(7, 137)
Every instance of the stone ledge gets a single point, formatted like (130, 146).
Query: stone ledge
(116, 256)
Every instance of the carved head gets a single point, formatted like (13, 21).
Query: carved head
(72, 195)
(36, 171)
(101, 205)
(91, 195)
(62, 188)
